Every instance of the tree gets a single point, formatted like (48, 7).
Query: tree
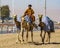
(0, 11)
(5, 12)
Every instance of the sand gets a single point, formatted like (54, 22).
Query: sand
(9, 41)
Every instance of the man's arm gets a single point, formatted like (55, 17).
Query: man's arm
(32, 11)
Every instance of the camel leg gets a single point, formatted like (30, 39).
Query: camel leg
(27, 36)
(48, 39)
(43, 38)
(18, 39)
(41, 33)
(22, 31)
(32, 36)
(27, 29)
(23, 35)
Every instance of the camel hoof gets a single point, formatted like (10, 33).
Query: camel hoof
(49, 43)
(32, 41)
(46, 40)
(42, 41)
(23, 40)
(26, 40)
(17, 42)
(20, 41)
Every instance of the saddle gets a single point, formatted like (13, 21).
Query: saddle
(33, 18)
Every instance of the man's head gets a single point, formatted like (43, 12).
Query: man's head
(29, 6)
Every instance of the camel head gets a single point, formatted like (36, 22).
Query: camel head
(15, 17)
(22, 19)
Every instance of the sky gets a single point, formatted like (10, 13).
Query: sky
(19, 6)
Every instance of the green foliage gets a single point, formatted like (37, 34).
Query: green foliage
(0, 11)
(5, 12)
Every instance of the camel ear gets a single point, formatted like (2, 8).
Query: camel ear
(13, 16)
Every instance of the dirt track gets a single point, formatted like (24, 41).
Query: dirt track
(9, 41)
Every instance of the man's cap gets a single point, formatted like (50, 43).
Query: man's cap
(30, 5)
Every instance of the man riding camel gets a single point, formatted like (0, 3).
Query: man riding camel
(29, 12)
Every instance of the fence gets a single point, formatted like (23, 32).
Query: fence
(6, 27)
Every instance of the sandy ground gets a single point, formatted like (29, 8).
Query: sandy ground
(9, 41)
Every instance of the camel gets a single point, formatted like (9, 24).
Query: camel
(24, 25)
(43, 26)
(28, 27)
(18, 25)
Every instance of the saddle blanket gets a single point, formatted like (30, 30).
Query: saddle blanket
(49, 25)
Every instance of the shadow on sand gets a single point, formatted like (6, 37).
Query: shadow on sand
(37, 43)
